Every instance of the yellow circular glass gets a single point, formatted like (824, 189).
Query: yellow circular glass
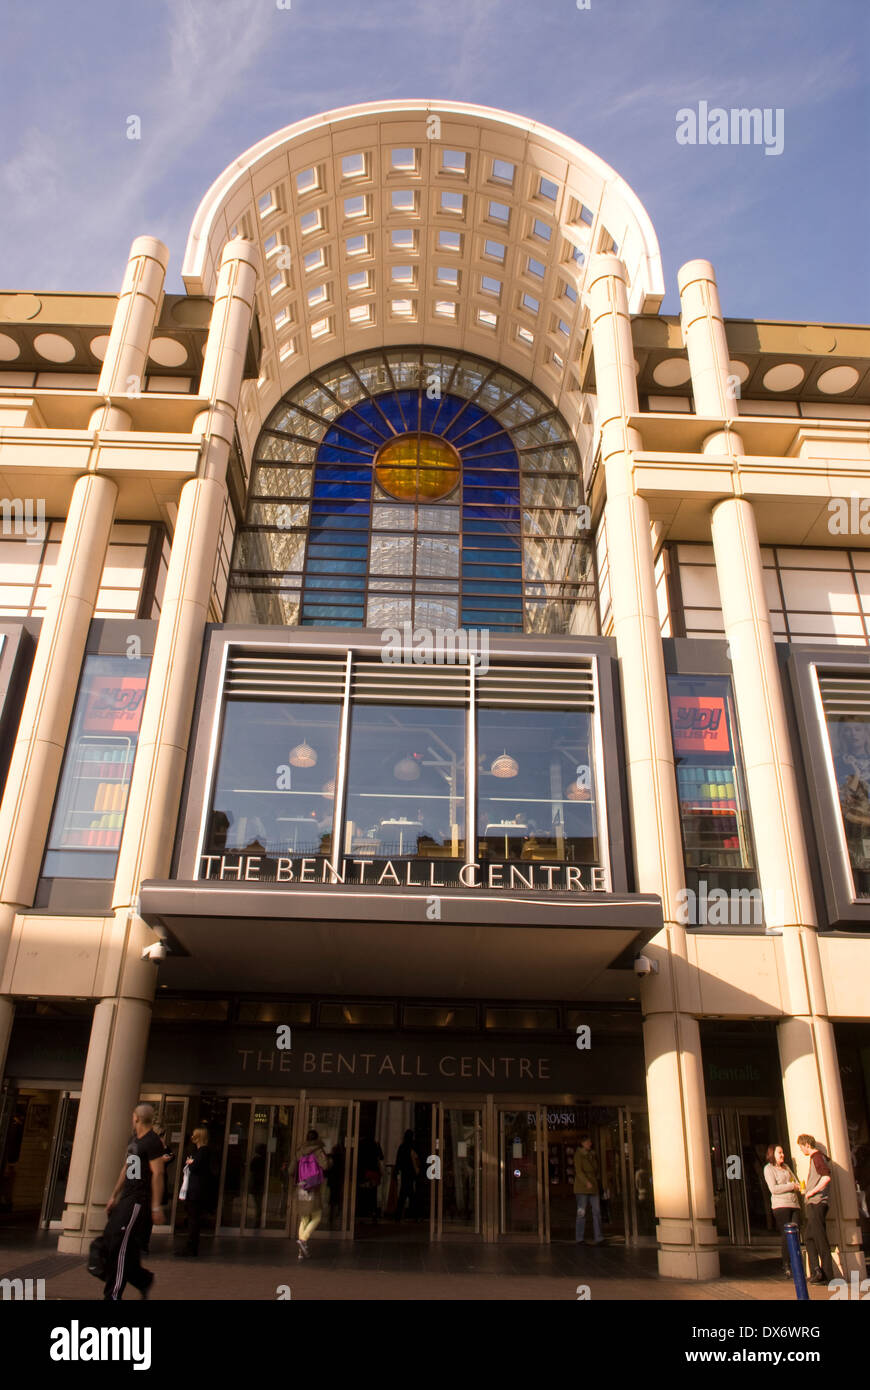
(418, 467)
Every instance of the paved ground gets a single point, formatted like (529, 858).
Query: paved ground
(402, 1266)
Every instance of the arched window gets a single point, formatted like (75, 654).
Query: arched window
(415, 485)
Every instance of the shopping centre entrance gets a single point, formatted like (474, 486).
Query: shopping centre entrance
(472, 1168)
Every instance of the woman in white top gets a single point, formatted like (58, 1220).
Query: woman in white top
(784, 1199)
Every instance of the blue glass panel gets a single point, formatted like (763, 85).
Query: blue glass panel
(344, 474)
(511, 605)
(499, 540)
(490, 557)
(338, 438)
(482, 456)
(487, 429)
(326, 622)
(341, 489)
(490, 572)
(450, 408)
(332, 509)
(346, 523)
(428, 411)
(390, 408)
(341, 552)
(365, 422)
(345, 453)
(489, 586)
(472, 417)
(341, 538)
(508, 495)
(315, 582)
(490, 513)
(332, 610)
(408, 404)
(476, 526)
(336, 566)
(471, 619)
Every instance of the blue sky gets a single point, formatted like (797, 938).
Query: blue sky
(788, 234)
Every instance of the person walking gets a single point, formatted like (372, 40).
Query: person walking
(817, 1194)
(587, 1179)
(136, 1202)
(311, 1164)
(784, 1199)
(197, 1174)
(408, 1170)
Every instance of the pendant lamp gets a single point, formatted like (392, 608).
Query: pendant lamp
(303, 755)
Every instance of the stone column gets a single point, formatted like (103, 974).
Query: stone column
(34, 769)
(811, 1081)
(116, 1057)
(682, 1179)
(136, 314)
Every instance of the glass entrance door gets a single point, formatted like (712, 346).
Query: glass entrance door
(63, 1143)
(337, 1125)
(257, 1164)
(456, 1205)
(521, 1187)
(738, 1142)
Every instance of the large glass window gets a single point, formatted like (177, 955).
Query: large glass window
(846, 701)
(536, 786)
(406, 783)
(714, 815)
(403, 779)
(89, 813)
(275, 784)
(417, 486)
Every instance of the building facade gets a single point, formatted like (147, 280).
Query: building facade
(435, 696)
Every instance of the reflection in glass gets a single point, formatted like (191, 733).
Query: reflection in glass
(547, 810)
(406, 783)
(263, 805)
(850, 747)
(91, 803)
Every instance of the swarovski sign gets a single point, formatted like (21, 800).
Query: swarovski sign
(404, 873)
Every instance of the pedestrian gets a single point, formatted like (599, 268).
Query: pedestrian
(408, 1170)
(135, 1204)
(587, 1178)
(817, 1194)
(195, 1189)
(311, 1164)
(784, 1199)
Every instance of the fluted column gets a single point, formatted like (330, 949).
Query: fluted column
(682, 1179)
(114, 1064)
(811, 1082)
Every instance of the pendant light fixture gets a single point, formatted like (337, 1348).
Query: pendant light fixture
(407, 769)
(505, 766)
(328, 788)
(574, 792)
(303, 755)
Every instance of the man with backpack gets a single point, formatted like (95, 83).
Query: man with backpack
(311, 1164)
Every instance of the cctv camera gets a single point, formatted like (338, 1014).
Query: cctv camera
(156, 952)
(644, 966)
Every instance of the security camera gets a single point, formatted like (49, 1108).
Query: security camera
(156, 952)
(644, 966)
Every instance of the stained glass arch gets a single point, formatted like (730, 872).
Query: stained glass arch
(415, 485)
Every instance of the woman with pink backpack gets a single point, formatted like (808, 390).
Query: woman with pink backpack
(311, 1164)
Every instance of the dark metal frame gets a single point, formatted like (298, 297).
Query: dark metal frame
(842, 908)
